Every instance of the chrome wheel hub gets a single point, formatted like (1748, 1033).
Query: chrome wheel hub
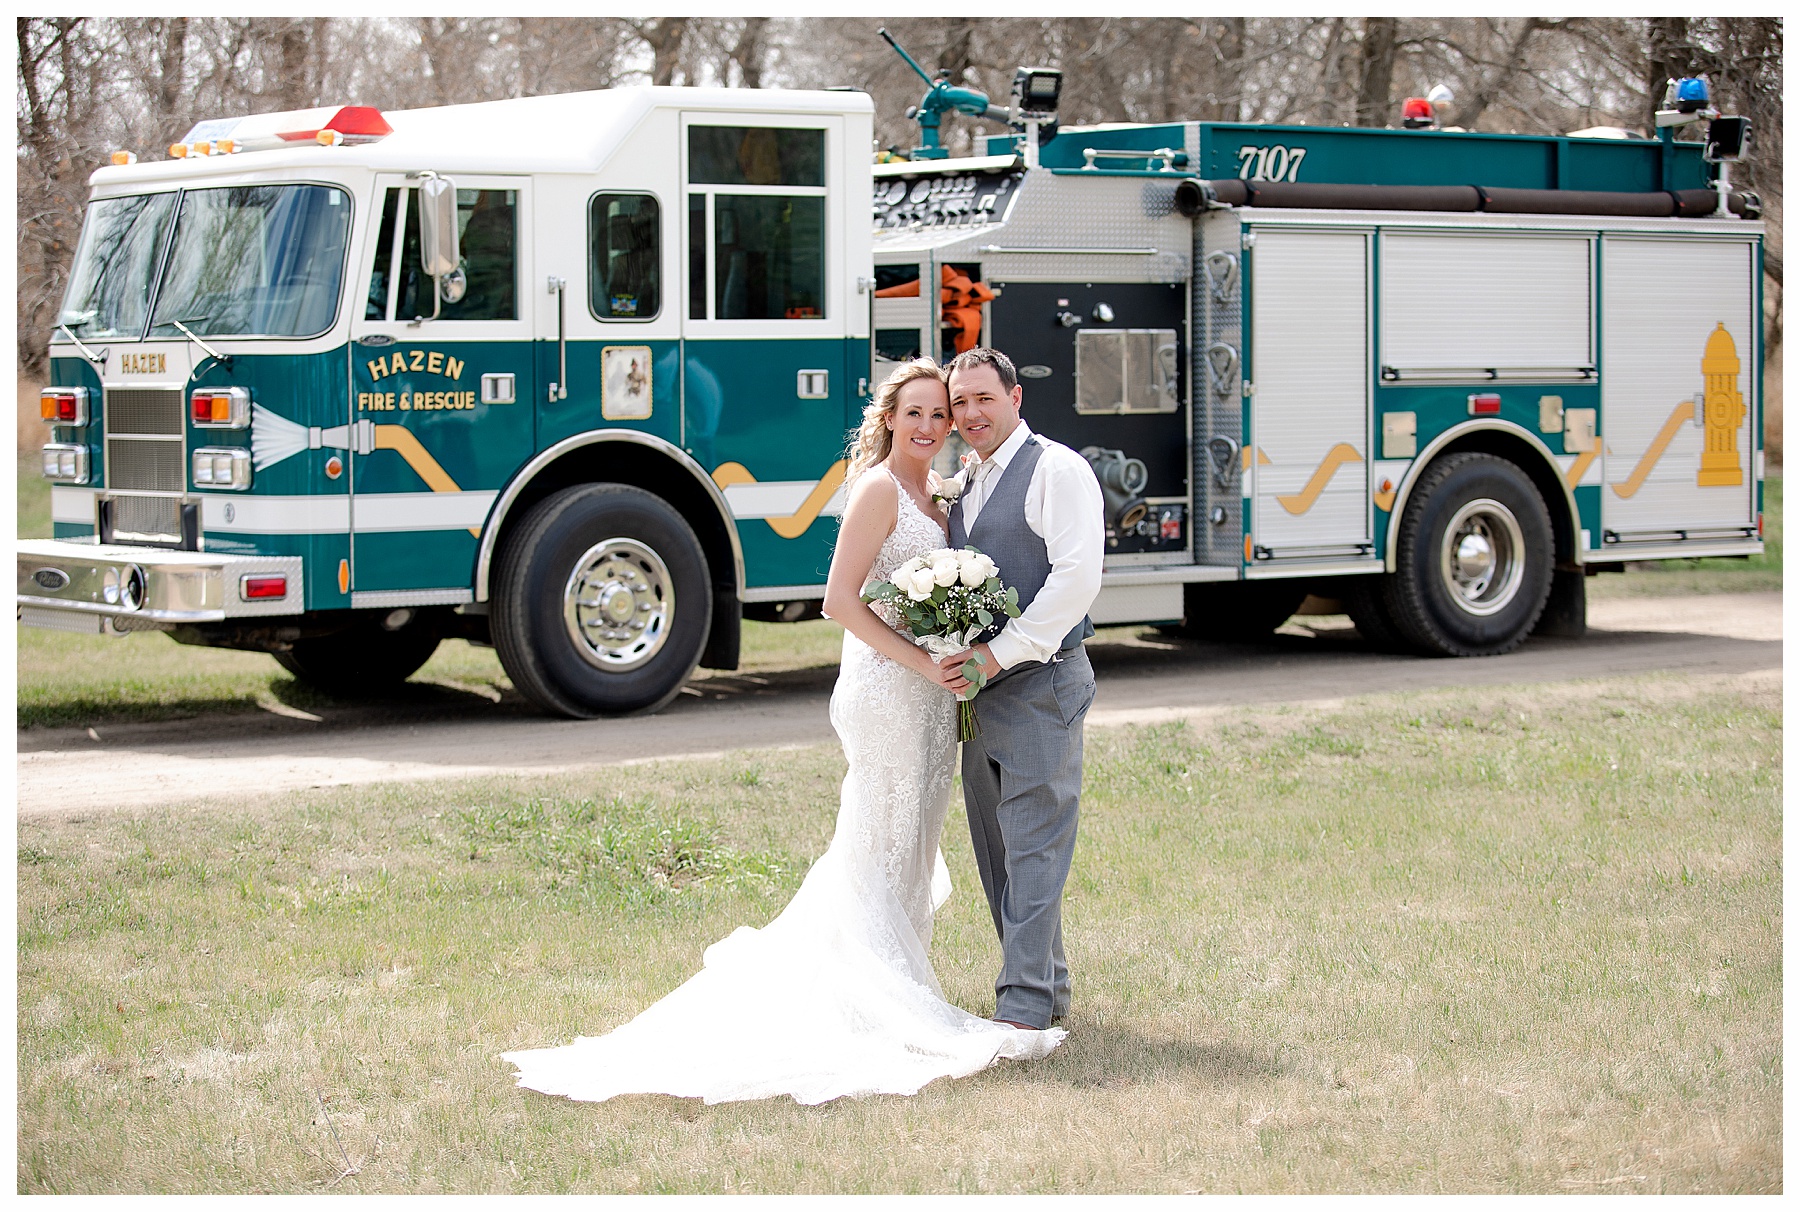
(1483, 557)
(618, 604)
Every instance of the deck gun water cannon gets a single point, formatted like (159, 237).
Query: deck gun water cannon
(1036, 91)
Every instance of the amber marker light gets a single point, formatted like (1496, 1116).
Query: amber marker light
(178, 150)
(225, 147)
(124, 157)
(329, 138)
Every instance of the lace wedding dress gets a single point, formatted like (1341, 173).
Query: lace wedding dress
(835, 996)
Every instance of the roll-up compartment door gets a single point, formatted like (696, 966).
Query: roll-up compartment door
(1308, 457)
(1486, 307)
(1678, 387)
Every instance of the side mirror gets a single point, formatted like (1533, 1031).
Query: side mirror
(439, 246)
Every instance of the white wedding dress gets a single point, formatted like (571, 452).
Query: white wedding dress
(835, 996)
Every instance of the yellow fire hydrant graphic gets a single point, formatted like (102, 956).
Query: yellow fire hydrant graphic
(1724, 412)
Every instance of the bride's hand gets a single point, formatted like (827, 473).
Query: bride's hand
(950, 679)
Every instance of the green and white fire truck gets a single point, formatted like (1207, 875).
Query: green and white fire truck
(572, 375)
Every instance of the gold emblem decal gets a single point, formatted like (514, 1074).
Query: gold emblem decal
(144, 363)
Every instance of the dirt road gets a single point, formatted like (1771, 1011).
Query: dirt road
(435, 733)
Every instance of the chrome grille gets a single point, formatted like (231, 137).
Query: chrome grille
(156, 519)
(140, 411)
(144, 465)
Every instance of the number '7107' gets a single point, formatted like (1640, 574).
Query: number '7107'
(1277, 163)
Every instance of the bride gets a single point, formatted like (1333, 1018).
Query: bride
(836, 996)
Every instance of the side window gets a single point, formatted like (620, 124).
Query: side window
(489, 226)
(761, 255)
(624, 257)
(381, 277)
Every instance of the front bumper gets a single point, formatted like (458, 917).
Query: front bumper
(87, 587)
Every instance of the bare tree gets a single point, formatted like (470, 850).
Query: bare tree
(663, 35)
(1374, 93)
(90, 85)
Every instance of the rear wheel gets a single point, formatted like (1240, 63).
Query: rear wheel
(602, 602)
(364, 659)
(1475, 558)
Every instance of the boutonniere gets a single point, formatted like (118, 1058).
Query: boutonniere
(948, 491)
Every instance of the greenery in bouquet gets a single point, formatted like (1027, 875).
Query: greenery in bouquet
(947, 598)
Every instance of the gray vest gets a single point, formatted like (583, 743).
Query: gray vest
(1000, 532)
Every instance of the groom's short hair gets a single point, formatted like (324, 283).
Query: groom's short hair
(981, 355)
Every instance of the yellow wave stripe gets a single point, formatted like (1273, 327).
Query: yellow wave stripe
(400, 440)
(796, 523)
(1261, 458)
(1684, 412)
(1335, 458)
(1579, 467)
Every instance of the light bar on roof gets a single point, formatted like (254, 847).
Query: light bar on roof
(295, 128)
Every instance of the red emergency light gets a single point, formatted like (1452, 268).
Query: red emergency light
(329, 125)
(356, 123)
(1416, 114)
(1484, 404)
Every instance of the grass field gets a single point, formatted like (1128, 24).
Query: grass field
(1522, 940)
(67, 679)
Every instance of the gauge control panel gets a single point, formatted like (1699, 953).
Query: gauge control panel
(951, 200)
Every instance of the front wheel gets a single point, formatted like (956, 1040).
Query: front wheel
(1475, 558)
(602, 602)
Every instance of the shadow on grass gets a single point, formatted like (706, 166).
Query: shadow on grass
(1117, 1057)
(93, 712)
(408, 701)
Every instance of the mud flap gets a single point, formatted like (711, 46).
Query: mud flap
(721, 651)
(1565, 612)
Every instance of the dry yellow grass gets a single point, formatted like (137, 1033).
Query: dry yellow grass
(1521, 940)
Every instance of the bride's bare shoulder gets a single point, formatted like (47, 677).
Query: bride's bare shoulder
(874, 496)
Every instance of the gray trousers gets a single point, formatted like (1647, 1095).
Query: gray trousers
(1022, 786)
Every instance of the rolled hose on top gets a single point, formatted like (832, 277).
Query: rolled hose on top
(1193, 196)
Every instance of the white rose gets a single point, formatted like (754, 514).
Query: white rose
(973, 574)
(911, 566)
(920, 583)
(946, 572)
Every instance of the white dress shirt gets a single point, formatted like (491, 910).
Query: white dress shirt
(1063, 507)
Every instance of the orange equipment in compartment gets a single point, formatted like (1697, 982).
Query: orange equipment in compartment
(962, 299)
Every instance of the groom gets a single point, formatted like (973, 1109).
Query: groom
(1034, 507)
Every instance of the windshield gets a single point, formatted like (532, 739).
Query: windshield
(258, 260)
(115, 266)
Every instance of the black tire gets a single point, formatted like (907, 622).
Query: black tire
(1237, 611)
(601, 602)
(363, 660)
(1439, 597)
(1364, 602)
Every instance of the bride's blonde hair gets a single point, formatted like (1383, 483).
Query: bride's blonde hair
(873, 440)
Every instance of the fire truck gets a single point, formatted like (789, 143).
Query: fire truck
(573, 375)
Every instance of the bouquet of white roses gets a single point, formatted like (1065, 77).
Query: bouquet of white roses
(947, 598)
